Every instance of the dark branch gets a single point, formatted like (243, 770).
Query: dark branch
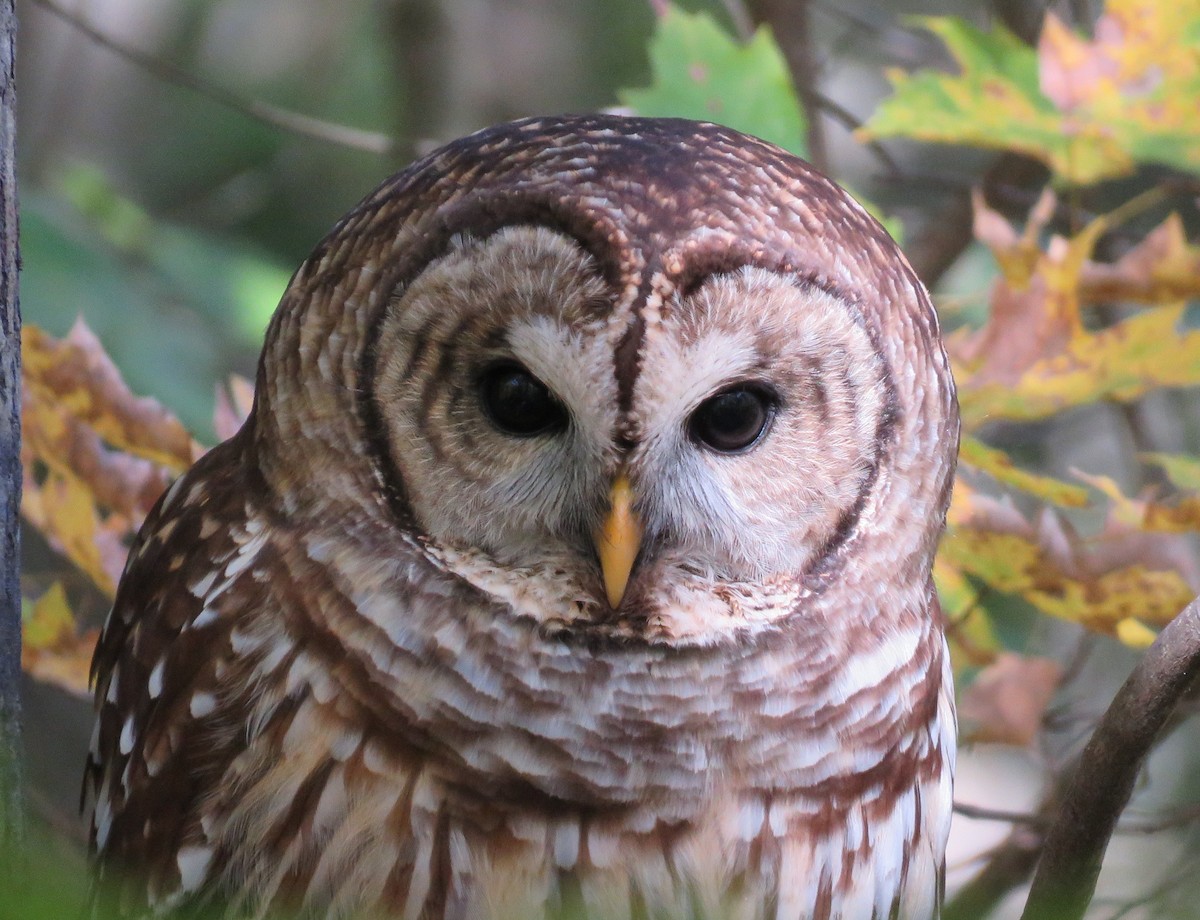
(1104, 778)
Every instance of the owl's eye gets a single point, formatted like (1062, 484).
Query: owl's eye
(518, 403)
(733, 419)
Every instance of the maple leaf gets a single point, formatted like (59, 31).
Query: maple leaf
(1162, 268)
(1090, 109)
(95, 459)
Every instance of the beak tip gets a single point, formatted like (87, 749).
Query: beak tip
(618, 542)
(614, 592)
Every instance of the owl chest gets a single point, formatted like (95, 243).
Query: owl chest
(341, 825)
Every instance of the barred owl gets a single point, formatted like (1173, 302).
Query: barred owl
(575, 558)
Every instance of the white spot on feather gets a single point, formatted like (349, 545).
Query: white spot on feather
(193, 865)
(125, 745)
(202, 704)
(110, 695)
(245, 555)
(201, 586)
(102, 816)
(603, 848)
(206, 617)
(566, 844)
(172, 493)
(155, 684)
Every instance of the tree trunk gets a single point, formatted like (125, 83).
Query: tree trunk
(10, 443)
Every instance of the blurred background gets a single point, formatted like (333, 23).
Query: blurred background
(166, 202)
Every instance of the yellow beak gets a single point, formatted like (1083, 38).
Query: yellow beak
(618, 541)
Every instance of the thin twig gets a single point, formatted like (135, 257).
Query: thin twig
(852, 122)
(1180, 817)
(980, 813)
(1141, 826)
(273, 115)
(743, 23)
(1103, 781)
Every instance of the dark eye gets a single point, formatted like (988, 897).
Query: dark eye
(733, 419)
(518, 403)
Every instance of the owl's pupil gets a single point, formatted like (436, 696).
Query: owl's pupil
(518, 403)
(733, 419)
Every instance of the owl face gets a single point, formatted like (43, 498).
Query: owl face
(749, 437)
(651, 374)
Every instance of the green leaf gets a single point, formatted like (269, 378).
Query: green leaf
(176, 308)
(1184, 472)
(704, 74)
(700, 72)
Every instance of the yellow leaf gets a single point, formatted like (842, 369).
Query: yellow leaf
(52, 649)
(49, 622)
(1017, 565)
(1162, 268)
(1097, 582)
(119, 481)
(1134, 82)
(1035, 357)
(77, 374)
(999, 466)
(72, 524)
(1090, 108)
(1135, 633)
(1180, 516)
(968, 629)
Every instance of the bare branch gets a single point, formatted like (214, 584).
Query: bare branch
(792, 25)
(1143, 826)
(1103, 781)
(273, 115)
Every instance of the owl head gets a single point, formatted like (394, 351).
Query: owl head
(645, 377)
